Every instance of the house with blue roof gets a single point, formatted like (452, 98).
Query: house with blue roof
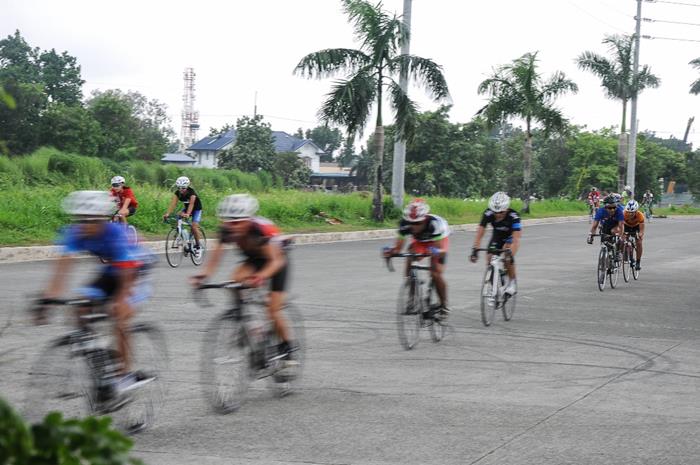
(206, 151)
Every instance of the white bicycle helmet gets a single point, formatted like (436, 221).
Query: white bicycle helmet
(499, 202)
(182, 181)
(94, 204)
(416, 211)
(237, 207)
(118, 180)
(632, 206)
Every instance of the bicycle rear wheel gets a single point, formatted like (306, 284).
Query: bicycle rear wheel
(174, 248)
(288, 379)
(198, 258)
(226, 364)
(635, 273)
(149, 355)
(508, 304)
(438, 327)
(614, 270)
(409, 313)
(489, 299)
(626, 268)
(602, 270)
(132, 235)
(60, 380)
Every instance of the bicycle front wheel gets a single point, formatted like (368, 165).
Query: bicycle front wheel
(602, 270)
(226, 364)
(174, 248)
(508, 305)
(409, 313)
(149, 356)
(489, 299)
(635, 273)
(438, 327)
(198, 258)
(287, 380)
(60, 380)
(132, 235)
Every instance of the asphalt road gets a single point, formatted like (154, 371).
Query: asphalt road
(578, 376)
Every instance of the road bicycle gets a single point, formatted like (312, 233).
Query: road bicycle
(628, 269)
(241, 345)
(646, 209)
(418, 303)
(180, 242)
(77, 373)
(591, 211)
(608, 263)
(493, 285)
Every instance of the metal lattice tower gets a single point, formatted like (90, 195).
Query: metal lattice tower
(190, 117)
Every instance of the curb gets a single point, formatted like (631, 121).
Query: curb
(37, 253)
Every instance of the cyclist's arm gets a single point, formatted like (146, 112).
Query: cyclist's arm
(125, 206)
(398, 245)
(275, 260)
(171, 207)
(641, 230)
(58, 279)
(190, 207)
(515, 245)
(594, 226)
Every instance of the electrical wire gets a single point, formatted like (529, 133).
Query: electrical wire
(673, 3)
(678, 39)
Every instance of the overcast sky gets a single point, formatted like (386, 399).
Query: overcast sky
(238, 47)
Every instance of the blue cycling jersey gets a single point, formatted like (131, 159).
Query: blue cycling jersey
(610, 219)
(112, 245)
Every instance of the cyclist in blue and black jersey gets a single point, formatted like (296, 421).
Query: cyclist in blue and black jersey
(507, 231)
(125, 263)
(611, 219)
(429, 235)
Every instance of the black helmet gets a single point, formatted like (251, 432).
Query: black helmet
(610, 200)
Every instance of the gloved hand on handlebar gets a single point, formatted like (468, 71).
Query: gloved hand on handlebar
(434, 250)
(590, 239)
(474, 256)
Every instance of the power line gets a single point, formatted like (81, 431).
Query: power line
(673, 3)
(597, 18)
(669, 38)
(650, 20)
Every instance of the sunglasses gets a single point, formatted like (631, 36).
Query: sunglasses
(116, 184)
(610, 208)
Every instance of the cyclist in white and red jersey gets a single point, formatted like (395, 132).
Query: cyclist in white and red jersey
(594, 197)
(263, 247)
(429, 235)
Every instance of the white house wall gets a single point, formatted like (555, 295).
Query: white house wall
(309, 151)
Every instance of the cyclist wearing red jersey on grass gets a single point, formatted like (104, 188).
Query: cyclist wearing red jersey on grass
(126, 200)
(262, 245)
(429, 235)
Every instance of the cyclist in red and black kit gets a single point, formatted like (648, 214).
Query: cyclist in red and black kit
(429, 235)
(594, 198)
(263, 247)
(126, 200)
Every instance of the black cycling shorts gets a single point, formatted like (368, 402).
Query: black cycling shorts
(278, 282)
(499, 243)
(107, 283)
(632, 230)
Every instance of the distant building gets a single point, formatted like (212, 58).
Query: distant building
(206, 152)
(332, 176)
(177, 159)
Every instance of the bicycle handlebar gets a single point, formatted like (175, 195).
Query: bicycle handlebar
(489, 250)
(75, 301)
(404, 255)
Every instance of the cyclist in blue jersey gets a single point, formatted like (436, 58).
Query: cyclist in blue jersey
(611, 219)
(92, 232)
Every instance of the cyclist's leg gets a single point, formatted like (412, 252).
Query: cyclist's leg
(196, 218)
(438, 265)
(639, 245)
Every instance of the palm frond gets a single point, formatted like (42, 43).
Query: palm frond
(424, 72)
(646, 79)
(551, 119)
(557, 85)
(695, 63)
(366, 20)
(695, 87)
(350, 102)
(330, 62)
(406, 112)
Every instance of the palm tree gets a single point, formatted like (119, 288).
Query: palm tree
(372, 71)
(516, 90)
(617, 78)
(695, 86)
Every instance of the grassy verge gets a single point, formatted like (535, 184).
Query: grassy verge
(32, 215)
(681, 210)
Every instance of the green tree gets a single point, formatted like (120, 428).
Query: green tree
(328, 139)
(222, 130)
(617, 78)
(299, 134)
(592, 161)
(254, 149)
(18, 60)
(695, 86)
(19, 126)
(347, 156)
(71, 129)
(517, 90)
(372, 72)
(288, 167)
(60, 75)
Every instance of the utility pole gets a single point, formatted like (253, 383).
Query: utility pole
(397, 175)
(632, 156)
